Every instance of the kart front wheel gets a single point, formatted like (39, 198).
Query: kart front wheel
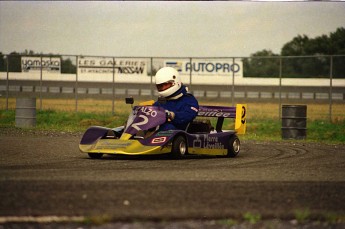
(95, 155)
(234, 146)
(179, 147)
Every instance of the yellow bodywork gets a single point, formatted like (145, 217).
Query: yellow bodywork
(241, 118)
(147, 103)
(206, 151)
(118, 146)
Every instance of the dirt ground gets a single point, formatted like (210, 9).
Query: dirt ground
(288, 184)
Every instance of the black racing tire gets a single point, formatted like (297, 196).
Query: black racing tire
(179, 147)
(234, 146)
(95, 155)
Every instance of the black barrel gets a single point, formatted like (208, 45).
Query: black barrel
(25, 112)
(294, 121)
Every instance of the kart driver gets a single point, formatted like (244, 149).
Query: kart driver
(181, 107)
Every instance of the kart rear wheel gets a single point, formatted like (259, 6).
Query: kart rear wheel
(179, 147)
(234, 146)
(95, 155)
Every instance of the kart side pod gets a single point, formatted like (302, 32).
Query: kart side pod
(239, 113)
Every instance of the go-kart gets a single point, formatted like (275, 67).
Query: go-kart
(141, 135)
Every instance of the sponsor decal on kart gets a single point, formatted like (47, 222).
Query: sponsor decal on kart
(207, 142)
(148, 111)
(212, 143)
(159, 140)
(167, 133)
(243, 116)
(217, 111)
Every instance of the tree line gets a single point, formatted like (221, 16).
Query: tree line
(263, 63)
(295, 62)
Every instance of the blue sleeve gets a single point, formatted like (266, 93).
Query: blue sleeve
(186, 112)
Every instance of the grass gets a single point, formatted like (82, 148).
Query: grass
(263, 119)
(252, 218)
(65, 121)
(302, 215)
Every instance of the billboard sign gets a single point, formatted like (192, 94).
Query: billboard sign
(105, 65)
(219, 67)
(48, 64)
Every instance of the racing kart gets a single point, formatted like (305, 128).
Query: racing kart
(141, 135)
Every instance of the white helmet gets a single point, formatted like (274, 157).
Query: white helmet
(168, 81)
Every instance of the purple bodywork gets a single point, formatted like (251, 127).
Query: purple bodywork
(145, 118)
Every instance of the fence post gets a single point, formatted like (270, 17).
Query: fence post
(76, 86)
(7, 82)
(41, 72)
(190, 74)
(233, 82)
(280, 86)
(113, 100)
(330, 88)
(151, 76)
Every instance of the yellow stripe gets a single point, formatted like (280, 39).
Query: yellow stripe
(203, 151)
(125, 136)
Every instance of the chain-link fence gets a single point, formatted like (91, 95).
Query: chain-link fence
(272, 79)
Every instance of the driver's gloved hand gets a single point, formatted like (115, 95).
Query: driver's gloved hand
(170, 115)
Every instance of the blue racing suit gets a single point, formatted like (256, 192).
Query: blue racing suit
(184, 105)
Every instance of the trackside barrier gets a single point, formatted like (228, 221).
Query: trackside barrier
(25, 112)
(294, 121)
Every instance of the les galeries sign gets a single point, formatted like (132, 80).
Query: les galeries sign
(102, 65)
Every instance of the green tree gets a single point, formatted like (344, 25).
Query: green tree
(2, 63)
(14, 64)
(337, 41)
(67, 66)
(337, 46)
(296, 47)
(261, 64)
(318, 66)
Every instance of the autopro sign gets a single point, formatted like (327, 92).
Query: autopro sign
(219, 67)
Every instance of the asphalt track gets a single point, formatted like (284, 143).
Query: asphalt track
(46, 175)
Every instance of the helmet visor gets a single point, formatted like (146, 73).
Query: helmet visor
(165, 86)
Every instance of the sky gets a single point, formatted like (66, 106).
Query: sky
(162, 29)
